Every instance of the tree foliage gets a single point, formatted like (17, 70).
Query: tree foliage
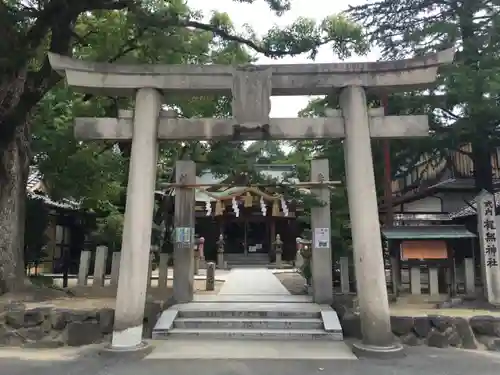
(34, 103)
(464, 107)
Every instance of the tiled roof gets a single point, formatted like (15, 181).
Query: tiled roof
(276, 172)
(472, 209)
(34, 180)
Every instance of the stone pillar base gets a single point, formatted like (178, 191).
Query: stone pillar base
(395, 350)
(139, 351)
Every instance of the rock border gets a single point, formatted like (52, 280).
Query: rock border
(477, 332)
(51, 327)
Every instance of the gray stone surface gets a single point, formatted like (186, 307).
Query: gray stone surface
(53, 327)
(101, 256)
(115, 267)
(321, 262)
(251, 93)
(165, 322)
(83, 267)
(331, 321)
(485, 325)
(137, 225)
(210, 282)
(252, 282)
(185, 173)
(365, 227)
(434, 330)
(83, 333)
(281, 128)
(224, 316)
(292, 79)
(418, 361)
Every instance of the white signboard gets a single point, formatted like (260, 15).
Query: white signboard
(488, 240)
(322, 238)
(184, 235)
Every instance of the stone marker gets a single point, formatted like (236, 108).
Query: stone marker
(433, 281)
(220, 252)
(185, 173)
(488, 242)
(344, 275)
(196, 265)
(210, 283)
(278, 249)
(415, 280)
(322, 277)
(83, 268)
(201, 249)
(299, 260)
(470, 276)
(163, 271)
(115, 268)
(101, 255)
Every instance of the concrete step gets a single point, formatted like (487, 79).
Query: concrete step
(269, 334)
(248, 323)
(256, 313)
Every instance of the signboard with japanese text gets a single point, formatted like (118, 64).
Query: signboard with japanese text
(184, 236)
(488, 240)
(322, 238)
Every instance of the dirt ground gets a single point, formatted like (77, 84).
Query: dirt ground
(293, 282)
(88, 298)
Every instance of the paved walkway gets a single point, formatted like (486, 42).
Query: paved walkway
(419, 361)
(252, 282)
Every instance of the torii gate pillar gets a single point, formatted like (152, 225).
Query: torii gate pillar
(139, 208)
(251, 87)
(363, 213)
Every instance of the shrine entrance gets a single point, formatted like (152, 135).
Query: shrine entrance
(251, 88)
(247, 237)
(249, 218)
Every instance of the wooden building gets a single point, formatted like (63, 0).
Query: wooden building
(248, 217)
(64, 234)
(437, 200)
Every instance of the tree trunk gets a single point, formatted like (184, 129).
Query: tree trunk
(483, 169)
(14, 169)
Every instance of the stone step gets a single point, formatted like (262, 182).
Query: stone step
(248, 323)
(256, 313)
(269, 334)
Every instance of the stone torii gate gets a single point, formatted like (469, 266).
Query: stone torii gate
(251, 88)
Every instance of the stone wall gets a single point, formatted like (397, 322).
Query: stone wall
(436, 331)
(54, 327)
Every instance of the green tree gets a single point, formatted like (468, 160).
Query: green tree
(464, 108)
(30, 29)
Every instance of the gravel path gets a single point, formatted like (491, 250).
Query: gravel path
(294, 282)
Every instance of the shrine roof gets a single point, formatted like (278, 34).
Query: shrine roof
(471, 208)
(427, 232)
(35, 189)
(275, 172)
